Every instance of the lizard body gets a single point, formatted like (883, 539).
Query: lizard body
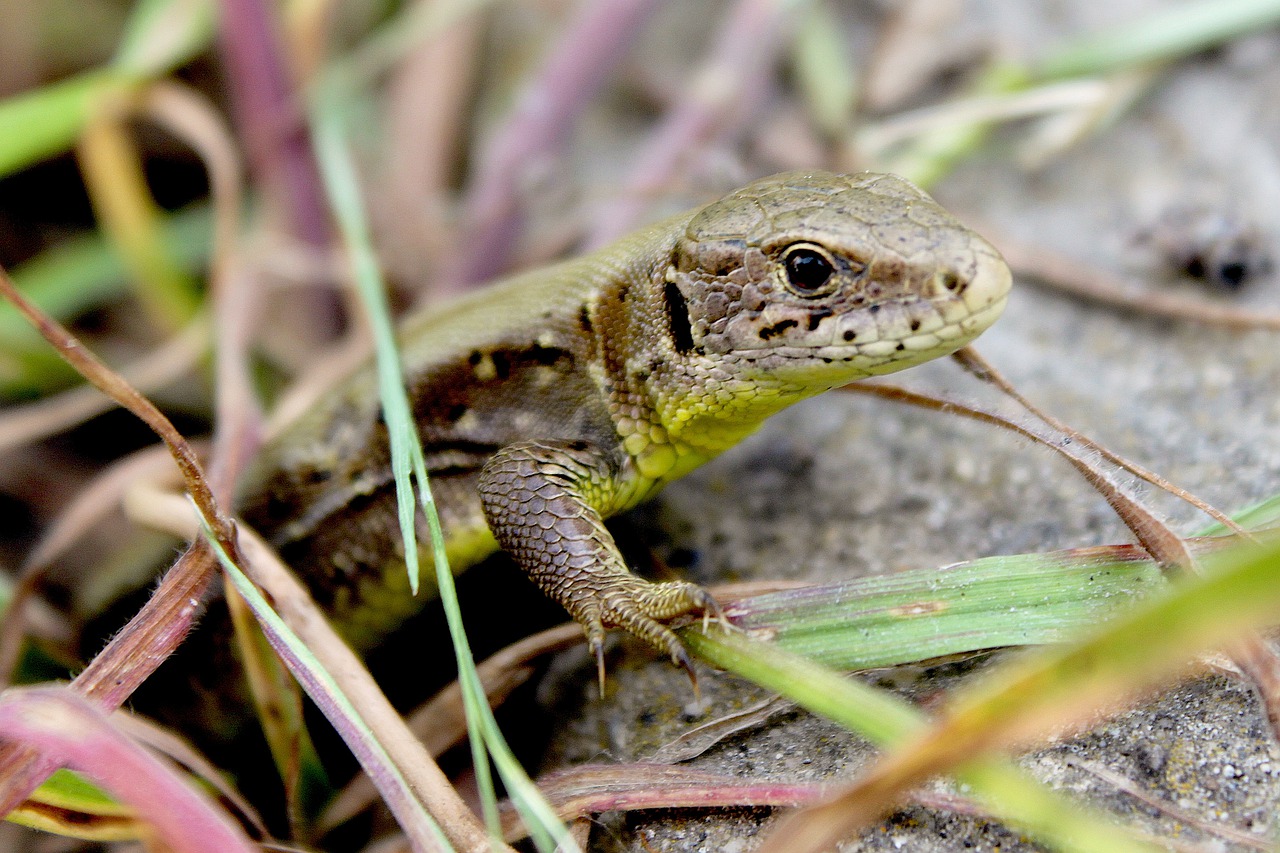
(555, 399)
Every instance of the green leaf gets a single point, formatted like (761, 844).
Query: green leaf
(46, 122)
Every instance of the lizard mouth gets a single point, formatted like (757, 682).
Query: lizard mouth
(897, 335)
(910, 342)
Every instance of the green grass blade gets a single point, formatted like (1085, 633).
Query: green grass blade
(1161, 36)
(1039, 693)
(339, 174)
(1240, 589)
(887, 721)
(46, 122)
(1027, 599)
(320, 685)
(1259, 516)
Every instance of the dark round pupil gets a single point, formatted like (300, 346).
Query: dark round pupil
(807, 269)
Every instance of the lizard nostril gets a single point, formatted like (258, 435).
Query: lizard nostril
(952, 282)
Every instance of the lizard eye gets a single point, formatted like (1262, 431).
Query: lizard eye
(808, 269)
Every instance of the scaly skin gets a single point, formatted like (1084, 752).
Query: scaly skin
(563, 396)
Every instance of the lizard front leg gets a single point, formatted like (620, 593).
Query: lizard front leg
(545, 503)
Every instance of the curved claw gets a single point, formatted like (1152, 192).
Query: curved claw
(597, 648)
(711, 610)
(680, 657)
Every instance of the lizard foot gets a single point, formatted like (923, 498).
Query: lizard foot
(643, 609)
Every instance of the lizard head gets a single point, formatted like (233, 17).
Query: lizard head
(816, 279)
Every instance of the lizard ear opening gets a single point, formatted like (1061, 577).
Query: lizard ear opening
(678, 319)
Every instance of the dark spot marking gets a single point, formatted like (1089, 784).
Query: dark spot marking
(475, 357)
(548, 356)
(776, 329)
(818, 316)
(850, 334)
(584, 320)
(315, 475)
(826, 361)
(875, 309)
(915, 325)
(678, 319)
(455, 412)
(501, 364)
(1233, 273)
(901, 346)
(953, 282)
(579, 445)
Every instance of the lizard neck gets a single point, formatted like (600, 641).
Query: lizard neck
(673, 410)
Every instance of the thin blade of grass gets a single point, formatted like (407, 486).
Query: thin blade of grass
(441, 723)
(40, 124)
(25, 423)
(1163, 35)
(339, 174)
(1010, 794)
(277, 701)
(328, 696)
(978, 367)
(128, 215)
(915, 615)
(113, 385)
(406, 452)
(1154, 534)
(1259, 516)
